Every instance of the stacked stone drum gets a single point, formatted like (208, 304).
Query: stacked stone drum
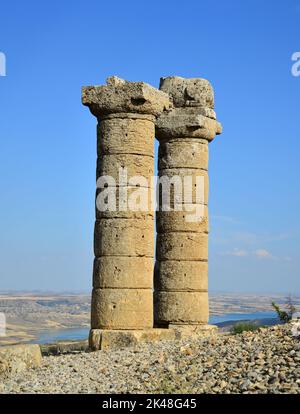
(181, 269)
(122, 297)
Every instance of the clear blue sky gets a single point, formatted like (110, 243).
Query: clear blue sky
(47, 147)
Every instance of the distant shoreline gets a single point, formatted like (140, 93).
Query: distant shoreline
(28, 315)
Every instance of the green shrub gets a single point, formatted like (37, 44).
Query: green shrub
(244, 327)
(285, 316)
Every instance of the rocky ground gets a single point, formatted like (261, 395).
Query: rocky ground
(266, 361)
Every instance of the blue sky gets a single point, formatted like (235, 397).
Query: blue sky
(47, 138)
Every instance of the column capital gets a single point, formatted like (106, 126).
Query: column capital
(121, 96)
(192, 113)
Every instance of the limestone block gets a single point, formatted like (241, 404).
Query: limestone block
(186, 331)
(194, 185)
(176, 275)
(122, 308)
(123, 167)
(188, 91)
(119, 95)
(130, 203)
(124, 237)
(112, 339)
(17, 358)
(191, 218)
(181, 307)
(183, 153)
(125, 136)
(121, 339)
(182, 246)
(123, 272)
(116, 339)
(193, 115)
(64, 347)
(186, 122)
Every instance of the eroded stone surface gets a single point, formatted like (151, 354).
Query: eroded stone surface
(131, 203)
(64, 347)
(188, 91)
(182, 246)
(186, 122)
(174, 275)
(124, 237)
(178, 153)
(192, 218)
(194, 185)
(126, 136)
(181, 307)
(124, 167)
(122, 309)
(193, 114)
(123, 272)
(116, 339)
(119, 96)
(193, 331)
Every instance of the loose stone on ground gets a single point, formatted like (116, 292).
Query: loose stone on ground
(266, 361)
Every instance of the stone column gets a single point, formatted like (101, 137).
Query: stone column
(181, 270)
(122, 297)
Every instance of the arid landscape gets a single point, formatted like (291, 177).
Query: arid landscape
(30, 313)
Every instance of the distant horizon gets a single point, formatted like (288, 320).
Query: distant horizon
(88, 292)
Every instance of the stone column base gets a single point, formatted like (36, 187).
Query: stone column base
(115, 339)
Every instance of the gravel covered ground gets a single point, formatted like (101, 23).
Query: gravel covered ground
(264, 361)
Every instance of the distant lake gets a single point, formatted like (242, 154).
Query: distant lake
(242, 316)
(67, 334)
(80, 334)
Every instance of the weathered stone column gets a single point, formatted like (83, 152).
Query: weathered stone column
(181, 270)
(122, 296)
